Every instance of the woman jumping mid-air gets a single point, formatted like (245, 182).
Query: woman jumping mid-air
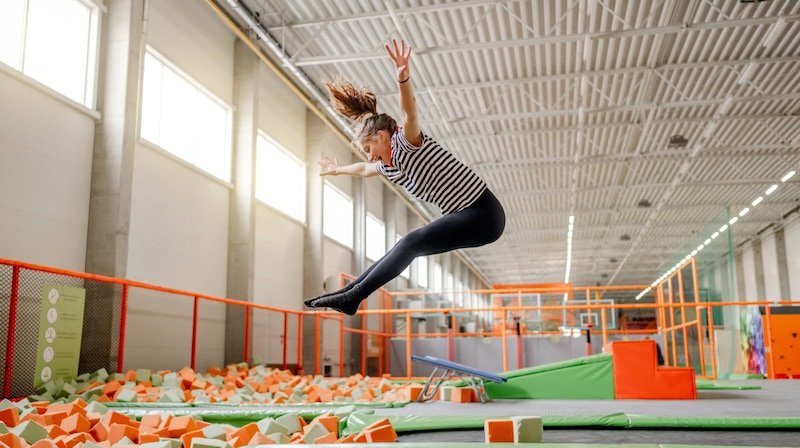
(407, 156)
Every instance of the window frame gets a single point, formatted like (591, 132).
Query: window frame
(328, 184)
(280, 148)
(227, 170)
(91, 67)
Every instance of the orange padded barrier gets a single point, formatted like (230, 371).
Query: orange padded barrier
(638, 376)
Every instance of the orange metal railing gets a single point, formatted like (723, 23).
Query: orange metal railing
(676, 316)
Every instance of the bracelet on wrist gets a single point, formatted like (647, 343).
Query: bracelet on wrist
(405, 80)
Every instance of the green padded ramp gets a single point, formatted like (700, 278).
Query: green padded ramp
(585, 378)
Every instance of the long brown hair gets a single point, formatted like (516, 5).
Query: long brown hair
(359, 105)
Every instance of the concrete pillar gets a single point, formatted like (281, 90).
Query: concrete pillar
(121, 51)
(353, 349)
(758, 261)
(318, 138)
(741, 291)
(412, 223)
(115, 140)
(783, 264)
(241, 222)
(390, 223)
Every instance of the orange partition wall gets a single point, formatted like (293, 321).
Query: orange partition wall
(638, 376)
(785, 339)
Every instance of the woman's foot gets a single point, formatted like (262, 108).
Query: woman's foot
(346, 302)
(346, 288)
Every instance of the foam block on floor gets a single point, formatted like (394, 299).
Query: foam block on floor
(528, 429)
(498, 431)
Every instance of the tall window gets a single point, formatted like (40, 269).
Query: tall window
(422, 272)
(337, 215)
(280, 179)
(53, 42)
(376, 238)
(461, 295)
(181, 117)
(438, 277)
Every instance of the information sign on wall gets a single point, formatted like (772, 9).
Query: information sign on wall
(60, 328)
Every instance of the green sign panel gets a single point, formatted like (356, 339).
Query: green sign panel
(60, 328)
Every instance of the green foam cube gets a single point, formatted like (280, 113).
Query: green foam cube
(279, 438)
(199, 442)
(214, 432)
(143, 375)
(290, 421)
(314, 431)
(96, 407)
(100, 375)
(30, 431)
(268, 425)
(126, 396)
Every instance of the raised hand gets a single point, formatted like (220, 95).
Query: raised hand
(400, 55)
(328, 166)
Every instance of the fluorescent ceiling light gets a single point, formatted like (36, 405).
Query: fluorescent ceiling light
(757, 201)
(771, 189)
(744, 211)
(726, 105)
(787, 176)
(746, 73)
(774, 31)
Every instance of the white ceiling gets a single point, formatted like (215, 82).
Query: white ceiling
(567, 107)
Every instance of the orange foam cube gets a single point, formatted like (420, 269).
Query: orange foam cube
(75, 423)
(186, 438)
(381, 434)
(462, 395)
(330, 437)
(9, 416)
(118, 430)
(499, 431)
(260, 439)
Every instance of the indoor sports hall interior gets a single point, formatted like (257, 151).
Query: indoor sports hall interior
(163, 219)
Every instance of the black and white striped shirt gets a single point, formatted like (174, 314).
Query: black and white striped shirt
(432, 174)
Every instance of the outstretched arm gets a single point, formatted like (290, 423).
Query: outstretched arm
(361, 169)
(401, 55)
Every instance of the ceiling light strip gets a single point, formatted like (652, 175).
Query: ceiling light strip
(713, 236)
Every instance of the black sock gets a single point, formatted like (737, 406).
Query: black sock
(346, 302)
(346, 288)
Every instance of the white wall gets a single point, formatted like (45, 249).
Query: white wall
(45, 176)
(179, 214)
(792, 234)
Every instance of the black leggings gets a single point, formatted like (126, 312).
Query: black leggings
(479, 224)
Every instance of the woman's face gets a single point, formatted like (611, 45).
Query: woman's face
(377, 147)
